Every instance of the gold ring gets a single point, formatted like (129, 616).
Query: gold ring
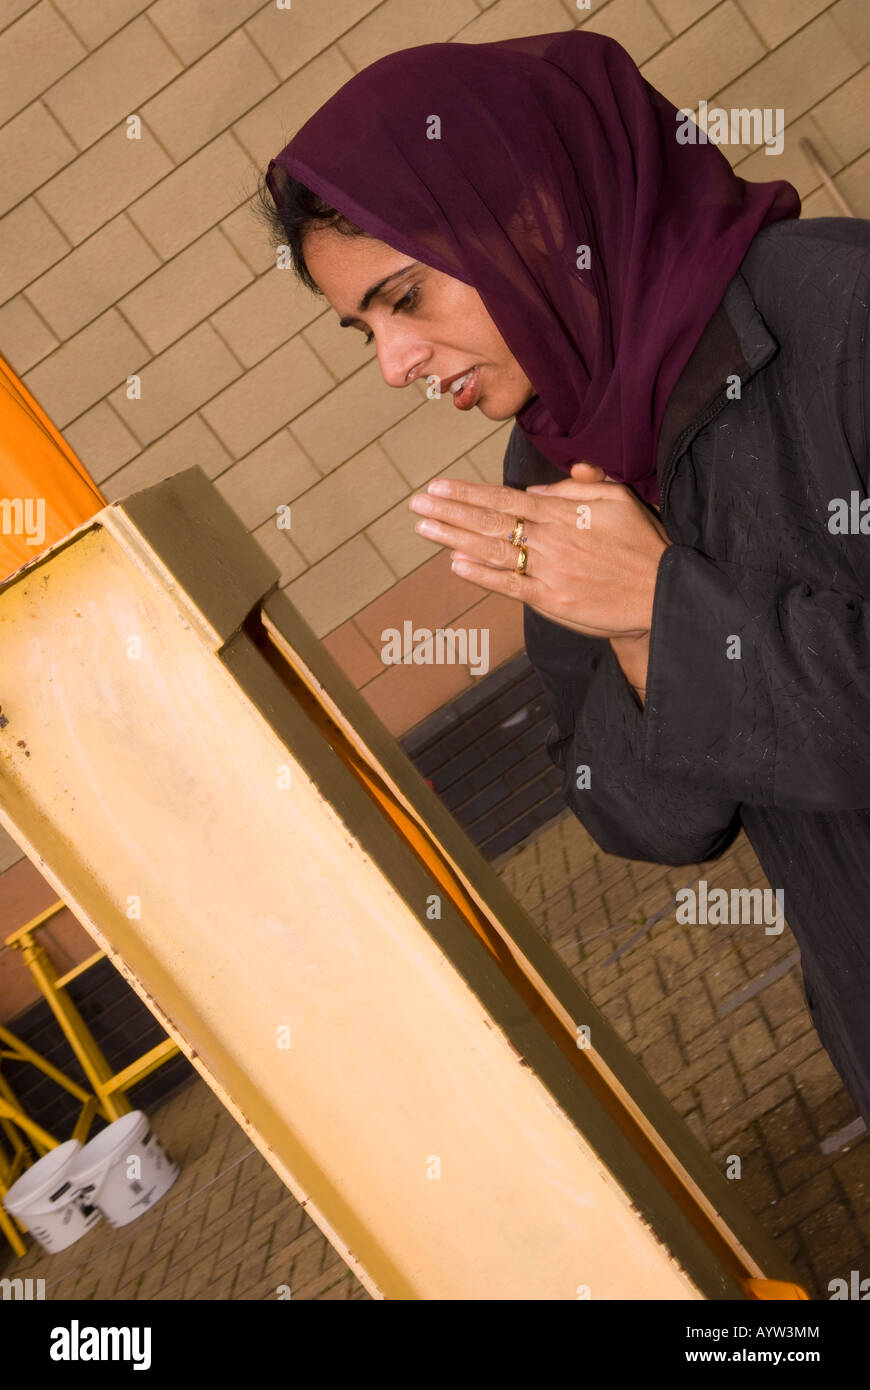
(522, 560)
(516, 536)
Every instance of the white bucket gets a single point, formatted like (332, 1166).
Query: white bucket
(123, 1170)
(48, 1203)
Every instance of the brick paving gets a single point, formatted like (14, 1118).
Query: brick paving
(750, 1080)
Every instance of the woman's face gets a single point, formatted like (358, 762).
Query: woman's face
(423, 322)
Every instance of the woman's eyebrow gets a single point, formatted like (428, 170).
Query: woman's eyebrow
(374, 290)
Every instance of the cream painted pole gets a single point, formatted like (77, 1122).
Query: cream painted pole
(177, 757)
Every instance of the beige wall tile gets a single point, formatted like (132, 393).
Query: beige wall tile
(273, 475)
(102, 441)
(353, 414)
(190, 445)
(32, 148)
(268, 395)
(291, 38)
(92, 277)
(208, 97)
(24, 338)
(820, 204)
(29, 243)
(281, 549)
(488, 457)
(112, 82)
(679, 14)
(511, 19)
(265, 315)
(397, 542)
(185, 290)
(775, 20)
(633, 23)
(853, 19)
(86, 367)
(844, 117)
(394, 535)
(250, 238)
(199, 193)
(426, 442)
(176, 383)
(708, 55)
(329, 593)
(103, 181)
(193, 26)
(34, 51)
(807, 67)
(854, 184)
(10, 10)
(343, 350)
(404, 24)
(340, 505)
(793, 163)
(268, 128)
(94, 23)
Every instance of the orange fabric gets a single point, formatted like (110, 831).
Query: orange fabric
(45, 492)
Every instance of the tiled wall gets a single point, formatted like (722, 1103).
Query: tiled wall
(122, 256)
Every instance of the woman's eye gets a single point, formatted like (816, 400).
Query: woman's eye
(407, 301)
(403, 305)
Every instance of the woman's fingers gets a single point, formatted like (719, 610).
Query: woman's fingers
(589, 473)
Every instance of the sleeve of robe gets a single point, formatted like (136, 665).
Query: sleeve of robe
(783, 718)
(758, 692)
(758, 685)
(597, 742)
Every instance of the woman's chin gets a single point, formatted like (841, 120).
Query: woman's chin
(495, 410)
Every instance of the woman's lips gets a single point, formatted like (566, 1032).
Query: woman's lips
(465, 396)
(455, 383)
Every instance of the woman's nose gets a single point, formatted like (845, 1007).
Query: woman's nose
(402, 361)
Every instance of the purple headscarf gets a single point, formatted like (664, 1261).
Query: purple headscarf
(546, 145)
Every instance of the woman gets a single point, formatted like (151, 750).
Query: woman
(520, 221)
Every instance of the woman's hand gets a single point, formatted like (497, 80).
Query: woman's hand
(593, 547)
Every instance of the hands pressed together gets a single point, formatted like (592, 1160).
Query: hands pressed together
(593, 547)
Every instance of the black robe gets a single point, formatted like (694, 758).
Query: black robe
(761, 497)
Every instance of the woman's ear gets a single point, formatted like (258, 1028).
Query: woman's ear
(528, 214)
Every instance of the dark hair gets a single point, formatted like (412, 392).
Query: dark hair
(291, 211)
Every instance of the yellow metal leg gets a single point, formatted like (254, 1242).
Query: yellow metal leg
(111, 1105)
